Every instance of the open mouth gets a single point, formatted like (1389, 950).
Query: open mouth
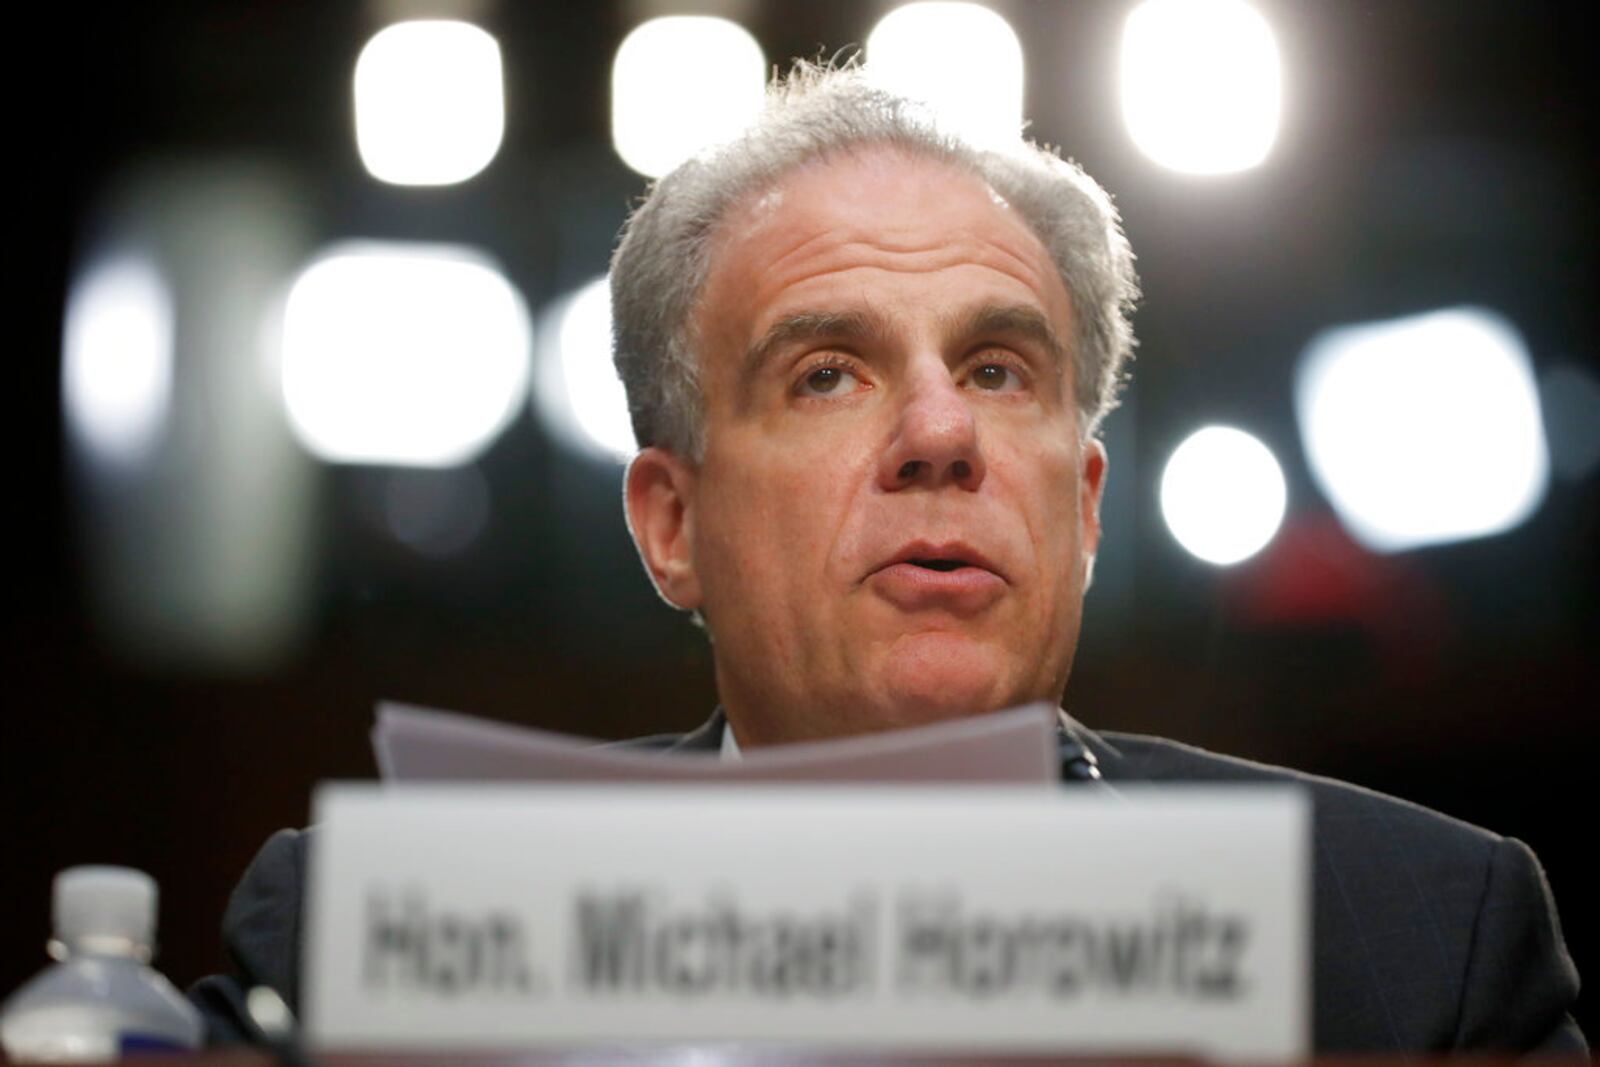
(943, 576)
(939, 564)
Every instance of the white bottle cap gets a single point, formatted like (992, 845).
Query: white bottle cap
(105, 908)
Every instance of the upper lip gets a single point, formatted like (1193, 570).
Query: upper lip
(955, 551)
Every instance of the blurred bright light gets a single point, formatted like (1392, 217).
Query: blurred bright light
(116, 371)
(1423, 430)
(680, 84)
(437, 513)
(961, 59)
(576, 386)
(413, 355)
(430, 108)
(1201, 84)
(1223, 495)
(1571, 401)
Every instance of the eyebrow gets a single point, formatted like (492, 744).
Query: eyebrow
(1017, 320)
(805, 326)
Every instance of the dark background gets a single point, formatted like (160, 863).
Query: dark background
(1432, 154)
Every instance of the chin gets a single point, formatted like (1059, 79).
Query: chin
(942, 676)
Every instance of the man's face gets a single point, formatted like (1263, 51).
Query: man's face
(895, 513)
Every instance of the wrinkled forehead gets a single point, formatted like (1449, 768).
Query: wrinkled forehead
(853, 223)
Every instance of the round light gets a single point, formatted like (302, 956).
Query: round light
(1570, 396)
(576, 386)
(437, 513)
(1223, 495)
(116, 366)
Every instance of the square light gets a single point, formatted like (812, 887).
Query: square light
(1424, 430)
(963, 60)
(680, 84)
(1201, 84)
(430, 106)
(409, 355)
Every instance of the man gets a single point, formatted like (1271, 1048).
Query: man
(866, 364)
(870, 466)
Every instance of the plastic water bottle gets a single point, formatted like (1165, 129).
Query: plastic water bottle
(101, 1000)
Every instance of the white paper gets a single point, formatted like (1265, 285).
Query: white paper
(419, 745)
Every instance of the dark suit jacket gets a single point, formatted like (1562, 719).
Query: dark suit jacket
(1430, 935)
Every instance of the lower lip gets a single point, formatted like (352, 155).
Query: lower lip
(912, 588)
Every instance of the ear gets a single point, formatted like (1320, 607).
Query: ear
(658, 498)
(1091, 483)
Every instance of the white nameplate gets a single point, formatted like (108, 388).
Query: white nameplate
(979, 918)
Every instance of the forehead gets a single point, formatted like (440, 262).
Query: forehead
(871, 224)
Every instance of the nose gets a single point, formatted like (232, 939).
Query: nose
(935, 437)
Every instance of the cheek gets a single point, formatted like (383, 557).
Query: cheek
(792, 495)
(761, 533)
(1045, 486)
(1044, 481)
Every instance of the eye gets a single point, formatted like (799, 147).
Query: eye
(828, 380)
(996, 378)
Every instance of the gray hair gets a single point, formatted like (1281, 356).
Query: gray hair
(817, 113)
